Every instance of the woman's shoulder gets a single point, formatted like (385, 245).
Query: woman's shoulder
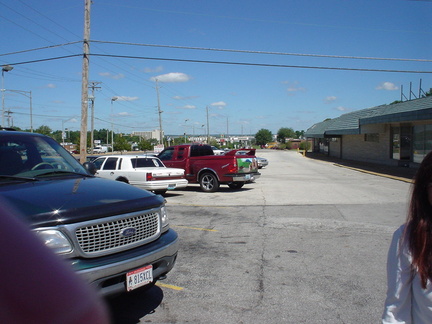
(401, 240)
(400, 230)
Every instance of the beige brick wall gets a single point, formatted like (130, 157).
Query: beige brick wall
(354, 147)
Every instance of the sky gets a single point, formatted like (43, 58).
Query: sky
(234, 66)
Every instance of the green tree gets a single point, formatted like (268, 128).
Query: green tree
(121, 144)
(45, 130)
(263, 136)
(145, 145)
(299, 134)
(284, 133)
(305, 146)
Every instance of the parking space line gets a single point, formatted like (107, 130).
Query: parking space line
(162, 285)
(196, 228)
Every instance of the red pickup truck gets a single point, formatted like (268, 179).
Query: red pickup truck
(209, 170)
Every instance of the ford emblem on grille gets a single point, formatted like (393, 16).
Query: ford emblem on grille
(128, 232)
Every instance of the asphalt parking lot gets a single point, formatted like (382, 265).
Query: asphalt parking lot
(306, 243)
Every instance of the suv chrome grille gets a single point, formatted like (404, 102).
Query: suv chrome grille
(117, 235)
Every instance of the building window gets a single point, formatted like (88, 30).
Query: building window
(422, 142)
(372, 137)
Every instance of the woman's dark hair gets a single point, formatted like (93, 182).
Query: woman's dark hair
(419, 222)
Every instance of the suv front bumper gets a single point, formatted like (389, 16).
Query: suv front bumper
(108, 273)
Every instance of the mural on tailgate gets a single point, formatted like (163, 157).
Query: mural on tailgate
(247, 165)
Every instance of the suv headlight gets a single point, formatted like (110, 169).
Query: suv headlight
(55, 240)
(164, 219)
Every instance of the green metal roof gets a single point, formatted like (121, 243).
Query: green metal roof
(413, 110)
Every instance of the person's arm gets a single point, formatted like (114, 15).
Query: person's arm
(397, 307)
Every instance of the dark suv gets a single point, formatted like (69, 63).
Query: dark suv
(115, 235)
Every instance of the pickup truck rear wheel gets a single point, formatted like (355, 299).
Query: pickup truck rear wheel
(209, 182)
(236, 185)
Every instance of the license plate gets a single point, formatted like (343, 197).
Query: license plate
(247, 176)
(171, 186)
(139, 277)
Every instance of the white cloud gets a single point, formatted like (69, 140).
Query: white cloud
(51, 86)
(112, 76)
(156, 69)
(184, 98)
(293, 87)
(330, 99)
(124, 98)
(124, 114)
(340, 108)
(387, 86)
(219, 104)
(187, 107)
(172, 77)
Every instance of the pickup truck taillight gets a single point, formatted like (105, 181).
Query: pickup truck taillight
(233, 168)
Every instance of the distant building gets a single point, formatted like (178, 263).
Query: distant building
(155, 134)
(396, 134)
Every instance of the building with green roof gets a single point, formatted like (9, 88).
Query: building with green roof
(395, 134)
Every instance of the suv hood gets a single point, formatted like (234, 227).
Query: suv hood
(63, 201)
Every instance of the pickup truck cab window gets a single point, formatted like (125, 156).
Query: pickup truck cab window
(167, 154)
(201, 150)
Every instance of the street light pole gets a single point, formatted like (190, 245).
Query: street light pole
(112, 129)
(5, 68)
(160, 114)
(27, 94)
(185, 130)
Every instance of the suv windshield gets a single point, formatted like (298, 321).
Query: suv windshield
(25, 155)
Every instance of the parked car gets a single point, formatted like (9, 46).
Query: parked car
(217, 151)
(262, 162)
(114, 235)
(143, 171)
(209, 170)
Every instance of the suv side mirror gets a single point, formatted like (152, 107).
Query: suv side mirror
(90, 167)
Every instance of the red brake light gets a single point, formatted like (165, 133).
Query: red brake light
(233, 168)
(149, 176)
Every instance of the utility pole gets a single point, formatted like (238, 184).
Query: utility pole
(9, 117)
(160, 114)
(84, 84)
(93, 86)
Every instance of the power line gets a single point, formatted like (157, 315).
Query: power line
(39, 48)
(226, 63)
(264, 52)
(46, 59)
(260, 64)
